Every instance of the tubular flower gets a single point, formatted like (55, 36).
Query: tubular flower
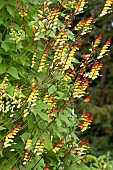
(87, 98)
(80, 87)
(96, 43)
(107, 8)
(86, 56)
(39, 147)
(58, 146)
(31, 100)
(46, 167)
(42, 61)
(85, 119)
(104, 49)
(73, 149)
(10, 136)
(28, 143)
(94, 73)
(83, 142)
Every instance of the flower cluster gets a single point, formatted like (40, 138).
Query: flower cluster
(42, 61)
(79, 6)
(33, 59)
(48, 20)
(107, 8)
(104, 49)
(80, 86)
(78, 149)
(39, 147)
(28, 143)
(22, 12)
(3, 93)
(27, 155)
(85, 119)
(58, 146)
(69, 74)
(31, 100)
(59, 56)
(50, 100)
(67, 20)
(69, 58)
(94, 73)
(96, 43)
(84, 25)
(52, 18)
(10, 136)
(17, 35)
(82, 149)
(61, 38)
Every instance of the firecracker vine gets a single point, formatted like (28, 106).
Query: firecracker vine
(42, 82)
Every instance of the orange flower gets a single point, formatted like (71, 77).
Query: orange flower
(87, 98)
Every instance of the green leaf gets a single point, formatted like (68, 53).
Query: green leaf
(2, 128)
(0, 59)
(75, 60)
(60, 94)
(47, 143)
(38, 110)
(52, 89)
(71, 35)
(13, 71)
(2, 4)
(41, 105)
(5, 46)
(41, 35)
(10, 10)
(77, 167)
(0, 36)
(58, 76)
(43, 115)
(2, 68)
(25, 135)
(52, 34)
(64, 118)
